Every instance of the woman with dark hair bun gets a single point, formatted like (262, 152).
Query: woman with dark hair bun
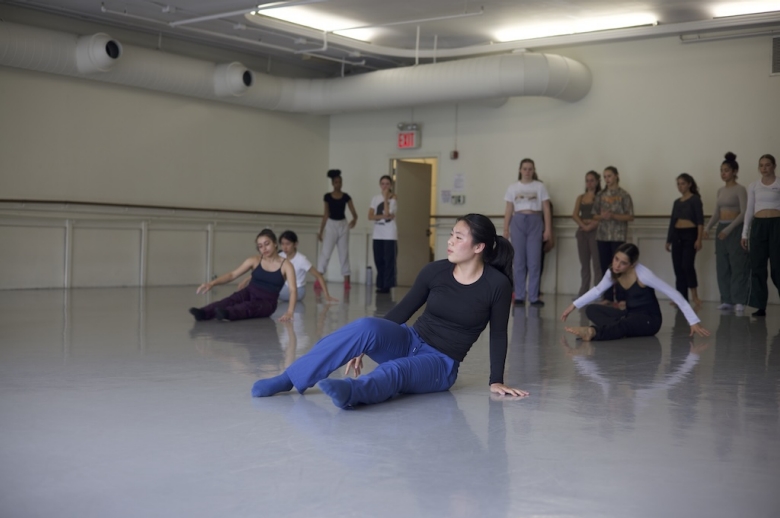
(731, 259)
(613, 209)
(762, 228)
(334, 229)
(686, 230)
(462, 295)
(587, 248)
(635, 285)
(260, 297)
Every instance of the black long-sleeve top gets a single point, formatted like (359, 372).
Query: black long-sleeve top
(690, 209)
(456, 314)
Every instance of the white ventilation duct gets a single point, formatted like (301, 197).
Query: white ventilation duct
(488, 77)
(232, 79)
(97, 53)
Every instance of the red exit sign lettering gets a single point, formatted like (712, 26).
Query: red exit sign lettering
(408, 139)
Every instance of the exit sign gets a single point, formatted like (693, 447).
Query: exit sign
(408, 140)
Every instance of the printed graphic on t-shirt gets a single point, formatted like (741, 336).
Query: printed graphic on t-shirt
(530, 196)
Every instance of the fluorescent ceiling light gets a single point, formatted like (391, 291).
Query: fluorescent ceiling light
(601, 23)
(308, 17)
(740, 8)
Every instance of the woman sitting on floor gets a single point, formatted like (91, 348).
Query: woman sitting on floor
(636, 285)
(260, 297)
(461, 294)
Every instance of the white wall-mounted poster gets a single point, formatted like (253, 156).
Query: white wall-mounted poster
(459, 183)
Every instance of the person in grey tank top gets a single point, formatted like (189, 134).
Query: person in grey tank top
(731, 260)
(587, 248)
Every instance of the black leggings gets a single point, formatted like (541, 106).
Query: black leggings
(683, 257)
(613, 323)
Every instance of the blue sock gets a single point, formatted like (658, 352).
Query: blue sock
(339, 390)
(270, 386)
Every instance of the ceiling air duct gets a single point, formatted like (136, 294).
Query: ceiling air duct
(472, 79)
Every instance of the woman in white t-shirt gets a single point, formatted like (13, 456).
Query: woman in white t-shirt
(288, 242)
(528, 219)
(382, 213)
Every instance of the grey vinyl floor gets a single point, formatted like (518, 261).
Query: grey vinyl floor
(115, 403)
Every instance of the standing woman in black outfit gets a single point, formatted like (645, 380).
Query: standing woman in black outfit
(761, 233)
(461, 294)
(686, 230)
(334, 229)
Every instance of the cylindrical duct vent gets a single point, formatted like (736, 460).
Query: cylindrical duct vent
(232, 79)
(97, 53)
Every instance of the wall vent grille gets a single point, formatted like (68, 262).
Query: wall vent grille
(776, 55)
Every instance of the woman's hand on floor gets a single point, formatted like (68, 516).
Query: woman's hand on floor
(699, 330)
(500, 388)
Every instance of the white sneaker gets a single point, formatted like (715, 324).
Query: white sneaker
(739, 308)
(725, 306)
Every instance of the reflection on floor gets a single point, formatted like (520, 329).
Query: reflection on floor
(114, 402)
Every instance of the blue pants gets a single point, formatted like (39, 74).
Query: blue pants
(407, 365)
(526, 231)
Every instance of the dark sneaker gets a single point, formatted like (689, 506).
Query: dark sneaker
(760, 313)
(221, 314)
(537, 303)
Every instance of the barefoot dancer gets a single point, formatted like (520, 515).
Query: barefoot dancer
(642, 314)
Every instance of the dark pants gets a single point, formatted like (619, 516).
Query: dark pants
(588, 251)
(251, 302)
(683, 257)
(385, 252)
(764, 246)
(733, 265)
(613, 323)
(407, 365)
(607, 251)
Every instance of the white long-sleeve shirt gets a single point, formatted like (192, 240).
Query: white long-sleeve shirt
(649, 279)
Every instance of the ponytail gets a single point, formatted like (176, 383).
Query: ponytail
(503, 257)
(498, 252)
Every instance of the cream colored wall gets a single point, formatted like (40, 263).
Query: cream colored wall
(657, 108)
(74, 139)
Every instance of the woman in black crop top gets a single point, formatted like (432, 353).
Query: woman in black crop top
(260, 297)
(334, 229)
(462, 294)
(686, 230)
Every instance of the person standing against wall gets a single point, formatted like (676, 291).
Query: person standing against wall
(762, 228)
(587, 249)
(686, 230)
(612, 209)
(334, 229)
(528, 212)
(731, 259)
(385, 239)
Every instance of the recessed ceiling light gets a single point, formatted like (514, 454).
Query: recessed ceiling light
(741, 8)
(601, 23)
(320, 21)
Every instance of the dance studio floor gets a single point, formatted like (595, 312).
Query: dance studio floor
(115, 403)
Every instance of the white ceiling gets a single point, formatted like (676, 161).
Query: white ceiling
(393, 45)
